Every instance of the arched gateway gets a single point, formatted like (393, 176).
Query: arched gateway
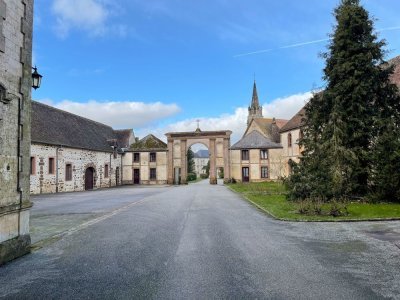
(217, 142)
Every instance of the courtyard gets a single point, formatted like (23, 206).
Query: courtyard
(195, 241)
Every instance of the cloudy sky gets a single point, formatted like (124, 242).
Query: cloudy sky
(159, 65)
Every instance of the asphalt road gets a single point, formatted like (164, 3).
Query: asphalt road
(205, 242)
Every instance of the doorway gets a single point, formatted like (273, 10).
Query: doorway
(245, 174)
(136, 176)
(117, 176)
(177, 177)
(89, 178)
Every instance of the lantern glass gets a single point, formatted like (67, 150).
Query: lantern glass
(36, 79)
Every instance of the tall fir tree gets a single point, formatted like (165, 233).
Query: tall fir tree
(341, 122)
(190, 160)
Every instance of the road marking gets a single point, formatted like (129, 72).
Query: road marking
(40, 244)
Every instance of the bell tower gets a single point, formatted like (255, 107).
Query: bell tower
(255, 110)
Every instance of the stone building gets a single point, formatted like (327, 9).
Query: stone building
(258, 155)
(201, 159)
(145, 162)
(71, 153)
(290, 135)
(16, 18)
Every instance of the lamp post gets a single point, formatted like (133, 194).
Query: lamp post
(36, 78)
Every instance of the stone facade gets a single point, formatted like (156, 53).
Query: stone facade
(145, 162)
(142, 165)
(217, 142)
(47, 177)
(291, 150)
(16, 19)
(199, 165)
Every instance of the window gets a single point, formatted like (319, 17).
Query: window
(264, 172)
(106, 171)
(289, 140)
(245, 154)
(51, 165)
(264, 154)
(152, 156)
(136, 157)
(301, 134)
(153, 174)
(68, 172)
(33, 165)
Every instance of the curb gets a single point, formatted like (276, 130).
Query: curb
(311, 221)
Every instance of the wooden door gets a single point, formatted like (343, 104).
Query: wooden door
(117, 176)
(136, 176)
(89, 179)
(245, 174)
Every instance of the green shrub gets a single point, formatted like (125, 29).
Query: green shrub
(191, 177)
(203, 176)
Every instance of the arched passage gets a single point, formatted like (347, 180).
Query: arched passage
(218, 143)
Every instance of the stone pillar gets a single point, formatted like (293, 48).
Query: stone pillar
(213, 177)
(227, 161)
(183, 162)
(170, 162)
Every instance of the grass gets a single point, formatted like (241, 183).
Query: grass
(271, 197)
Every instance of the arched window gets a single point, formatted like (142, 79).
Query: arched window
(289, 139)
(301, 134)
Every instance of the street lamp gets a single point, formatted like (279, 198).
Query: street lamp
(36, 78)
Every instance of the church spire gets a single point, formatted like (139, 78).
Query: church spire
(255, 110)
(254, 100)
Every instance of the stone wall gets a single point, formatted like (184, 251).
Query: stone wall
(44, 181)
(290, 153)
(16, 18)
(144, 165)
(200, 164)
(255, 163)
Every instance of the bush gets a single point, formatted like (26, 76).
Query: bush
(203, 176)
(191, 177)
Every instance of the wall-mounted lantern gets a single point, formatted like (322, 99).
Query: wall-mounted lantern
(36, 78)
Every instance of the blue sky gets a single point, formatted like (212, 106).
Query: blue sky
(158, 65)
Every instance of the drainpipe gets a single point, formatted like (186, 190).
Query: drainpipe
(57, 149)
(122, 169)
(109, 172)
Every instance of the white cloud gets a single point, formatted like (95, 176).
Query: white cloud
(126, 114)
(280, 108)
(87, 15)
(286, 107)
(142, 117)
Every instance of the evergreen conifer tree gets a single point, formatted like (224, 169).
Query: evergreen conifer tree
(343, 121)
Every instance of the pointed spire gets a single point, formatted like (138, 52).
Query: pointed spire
(254, 101)
(255, 110)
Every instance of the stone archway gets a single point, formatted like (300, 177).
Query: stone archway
(217, 142)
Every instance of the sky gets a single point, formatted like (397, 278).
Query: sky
(157, 66)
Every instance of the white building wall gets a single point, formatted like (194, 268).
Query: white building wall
(44, 182)
(199, 165)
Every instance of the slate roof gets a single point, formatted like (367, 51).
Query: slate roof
(57, 127)
(149, 143)
(125, 137)
(269, 127)
(294, 122)
(255, 140)
(202, 154)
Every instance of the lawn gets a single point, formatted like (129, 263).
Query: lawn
(271, 198)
